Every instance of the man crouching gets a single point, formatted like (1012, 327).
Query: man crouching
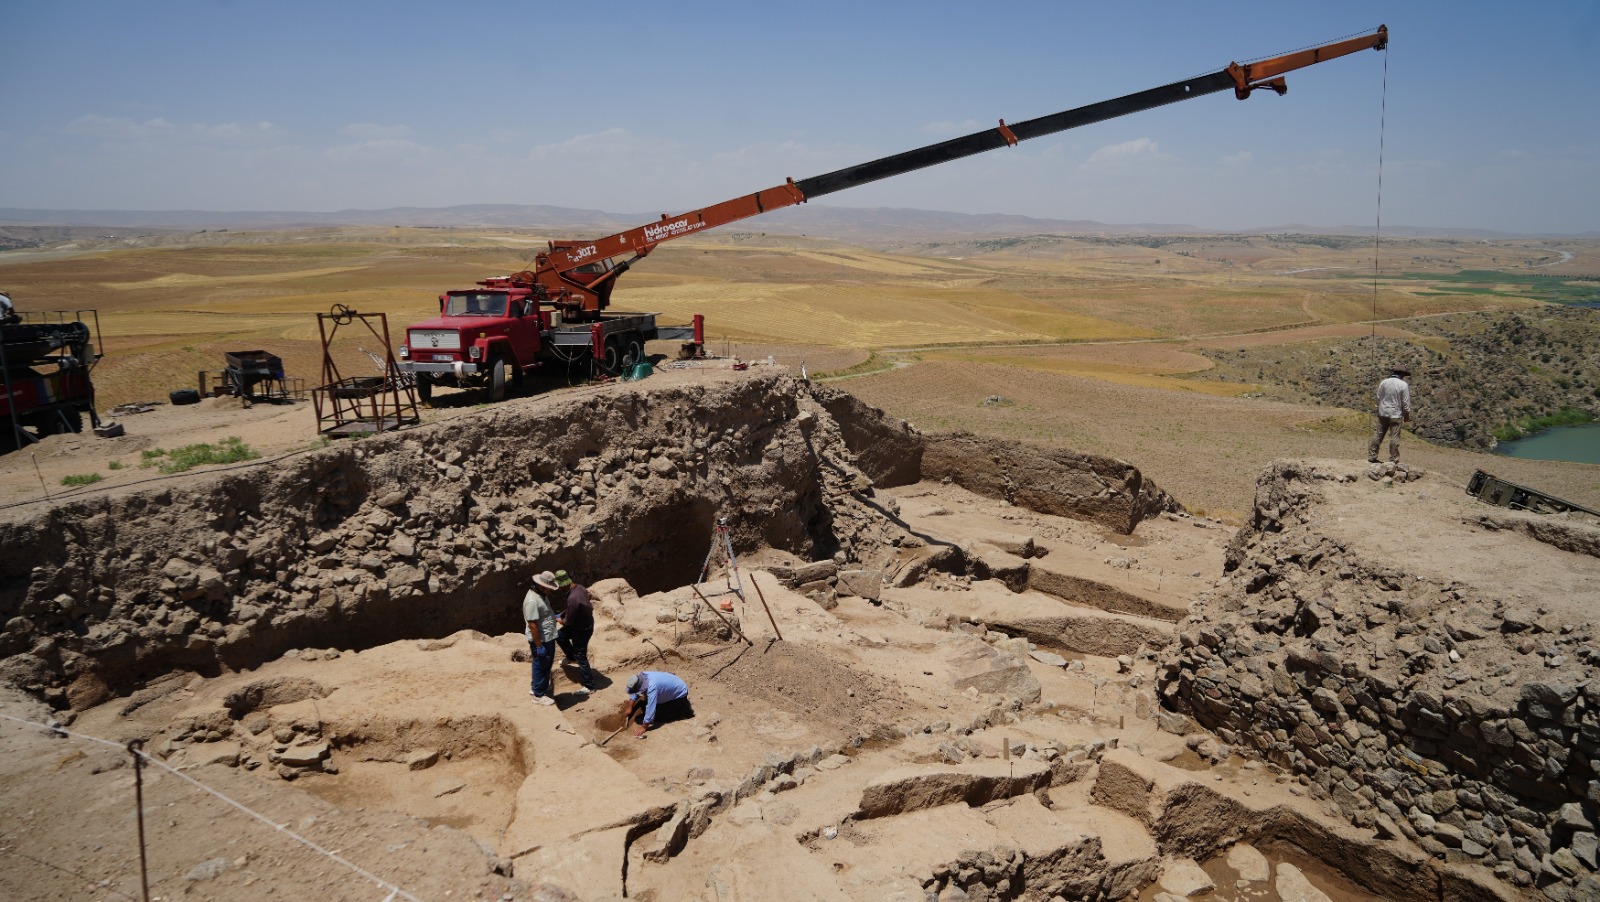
(655, 697)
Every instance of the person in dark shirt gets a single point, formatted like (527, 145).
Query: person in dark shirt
(576, 620)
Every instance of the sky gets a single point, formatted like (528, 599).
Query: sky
(1483, 112)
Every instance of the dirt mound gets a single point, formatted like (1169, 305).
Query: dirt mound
(806, 680)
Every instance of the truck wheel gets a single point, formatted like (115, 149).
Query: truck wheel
(635, 352)
(496, 389)
(612, 364)
(61, 422)
(184, 396)
(424, 389)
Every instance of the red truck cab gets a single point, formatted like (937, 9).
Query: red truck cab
(488, 337)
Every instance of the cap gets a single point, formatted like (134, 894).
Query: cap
(562, 579)
(545, 580)
(634, 683)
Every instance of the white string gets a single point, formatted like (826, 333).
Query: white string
(394, 891)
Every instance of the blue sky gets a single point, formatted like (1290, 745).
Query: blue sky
(661, 107)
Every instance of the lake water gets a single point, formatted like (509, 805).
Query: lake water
(1576, 443)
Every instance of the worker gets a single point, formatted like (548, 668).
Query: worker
(541, 633)
(8, 312)
(1394, 408)
(576, 628)
(655, 697)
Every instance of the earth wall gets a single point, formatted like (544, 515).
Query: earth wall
(424, 532)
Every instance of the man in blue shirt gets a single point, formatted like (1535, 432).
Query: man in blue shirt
(656, 697)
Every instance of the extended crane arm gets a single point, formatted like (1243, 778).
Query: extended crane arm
(1243, 79)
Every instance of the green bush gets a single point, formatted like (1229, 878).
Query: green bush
(1567, 416)
(82, 479)
(230, 450)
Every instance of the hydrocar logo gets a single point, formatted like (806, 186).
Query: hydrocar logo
(663, 231)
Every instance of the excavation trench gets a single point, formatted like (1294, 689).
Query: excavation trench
(354, 612)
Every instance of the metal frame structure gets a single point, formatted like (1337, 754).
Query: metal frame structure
(360, 405)
(91, 354)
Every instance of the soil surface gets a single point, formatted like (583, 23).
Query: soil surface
(961, 703)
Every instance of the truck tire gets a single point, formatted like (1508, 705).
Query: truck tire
(612, 363)
(424, 386)
(495, 391)
(61, 422)
(635, 351)
(184, 396)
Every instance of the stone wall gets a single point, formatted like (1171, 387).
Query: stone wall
(1088, 487)
(1423, 707)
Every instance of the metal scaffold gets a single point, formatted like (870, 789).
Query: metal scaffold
(358, 405)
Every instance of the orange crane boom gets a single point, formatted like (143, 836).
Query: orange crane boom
(574, 276)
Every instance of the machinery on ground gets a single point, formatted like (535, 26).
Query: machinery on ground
(1488, 488)
(45, 362)
(556, 312)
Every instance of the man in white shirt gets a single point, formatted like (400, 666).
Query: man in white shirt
(1394, 408)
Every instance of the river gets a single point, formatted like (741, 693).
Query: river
(1576, 443)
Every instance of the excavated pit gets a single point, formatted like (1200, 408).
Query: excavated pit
(964, 699)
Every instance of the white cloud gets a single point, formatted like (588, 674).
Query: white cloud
(1139, 150)
(367, 131)
(110, 128)
(1242, 158)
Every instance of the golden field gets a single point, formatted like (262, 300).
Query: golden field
(1090, 342)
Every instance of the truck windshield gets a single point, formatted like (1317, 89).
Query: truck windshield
(476, 303)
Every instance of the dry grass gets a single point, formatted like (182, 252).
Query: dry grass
(1091, 339)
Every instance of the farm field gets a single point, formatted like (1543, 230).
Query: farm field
(1098, 344)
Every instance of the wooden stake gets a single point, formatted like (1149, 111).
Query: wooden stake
(761, 595)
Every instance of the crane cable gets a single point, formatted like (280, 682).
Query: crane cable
(1377, 229)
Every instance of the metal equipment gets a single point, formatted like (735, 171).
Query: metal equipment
(248, 370)
(1503, 493)
(46, 358)
(359, 405)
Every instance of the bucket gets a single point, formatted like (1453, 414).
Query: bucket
(640, 370)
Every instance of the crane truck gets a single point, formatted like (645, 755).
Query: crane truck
(557, 312)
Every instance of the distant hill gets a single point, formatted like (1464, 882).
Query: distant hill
(846, 223)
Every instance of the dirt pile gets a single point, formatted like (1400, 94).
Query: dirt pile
(1417, 662)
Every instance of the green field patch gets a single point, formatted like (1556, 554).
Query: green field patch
(1494, 283)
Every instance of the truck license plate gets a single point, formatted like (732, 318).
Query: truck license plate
(442, 357)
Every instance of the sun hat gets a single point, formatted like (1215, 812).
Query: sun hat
(545, 580)
(1400, 368)
(634, 684)
(562, 579)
